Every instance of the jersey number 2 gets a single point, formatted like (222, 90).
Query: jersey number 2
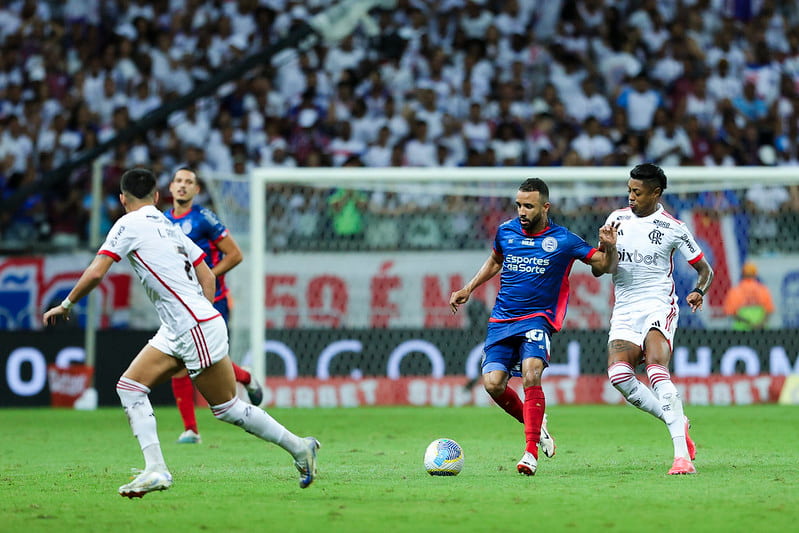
(186, 263)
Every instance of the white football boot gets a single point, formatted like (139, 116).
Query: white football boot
(546, 442)
(147, 481)
(306, 463)
(527, 465)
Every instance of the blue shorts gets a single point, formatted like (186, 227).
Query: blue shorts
(223, 307)
(509, 343)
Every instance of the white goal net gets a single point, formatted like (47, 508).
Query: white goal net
(343, 266)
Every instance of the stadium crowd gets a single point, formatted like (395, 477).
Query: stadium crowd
(445, 83)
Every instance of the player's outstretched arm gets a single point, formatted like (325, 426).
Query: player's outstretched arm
(489, 269)
(90, 279)
(606, 260)
(696, 297)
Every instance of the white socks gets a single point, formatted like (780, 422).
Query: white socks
(671, 404)
(258, 422)
(142, 420)
(663, 401)
(622, 376)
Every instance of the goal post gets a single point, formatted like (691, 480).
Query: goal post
(430, 216)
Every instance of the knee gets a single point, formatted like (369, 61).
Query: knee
(130, 392)
(229, 412)
(495, 388)
(532, 378)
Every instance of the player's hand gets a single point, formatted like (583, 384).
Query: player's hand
(51, 316)
(695, 301)
(608, 234)
(457, 298)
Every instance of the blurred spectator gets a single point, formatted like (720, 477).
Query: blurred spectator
(16, 143)
(640, 101)
(29, 223)
(591, 145)
(420, 151)
(669, 145)
(476, 131)
(343, 146)
(749, 303)
(698, 103)
(508, 148)
(475, 19)
(698, 137)
(379, 153)
(347, 208)
(764, 203)
(750, 105)
(719, 155)
(722, 84)
(716, 204)
(619, 63)
(308, 136)
(588, 102)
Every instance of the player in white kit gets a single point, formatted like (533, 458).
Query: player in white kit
(645, 312)
(192, 333)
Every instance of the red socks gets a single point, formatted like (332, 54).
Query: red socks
(183, 389)
(511, 403)
(242, 376)
(534, 406)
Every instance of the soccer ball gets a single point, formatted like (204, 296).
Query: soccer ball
(444, 457)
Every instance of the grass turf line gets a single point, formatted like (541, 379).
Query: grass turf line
(60, 470)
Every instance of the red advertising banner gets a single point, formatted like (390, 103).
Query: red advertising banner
(68, 383)
(455, 391)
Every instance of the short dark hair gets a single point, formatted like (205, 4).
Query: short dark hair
(194, 172)
(535, 184)
(187, 169)
(138, 182)
(651, 174)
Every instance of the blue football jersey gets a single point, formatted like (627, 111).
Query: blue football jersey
(535, 272)
(203, 227)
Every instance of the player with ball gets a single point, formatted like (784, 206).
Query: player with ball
(534, 256)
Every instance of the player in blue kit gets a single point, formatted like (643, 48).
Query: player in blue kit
(222, 253)
(535, 257)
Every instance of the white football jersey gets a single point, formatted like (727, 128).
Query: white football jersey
(163, 258)
(646, 248)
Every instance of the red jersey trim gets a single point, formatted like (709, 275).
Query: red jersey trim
(696, 259)
(221, 236)
(167, 287)
(516, 319)
(221, 296)
(110, 254)
(669, 215)
(536, 234)
(178, 217)
(199, 260)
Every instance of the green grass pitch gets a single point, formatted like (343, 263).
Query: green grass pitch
(61, 469)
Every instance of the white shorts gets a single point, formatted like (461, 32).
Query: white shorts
(632, 325)
(202, 346)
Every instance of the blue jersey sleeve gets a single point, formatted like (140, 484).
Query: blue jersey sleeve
(212, 227)
(581, 249)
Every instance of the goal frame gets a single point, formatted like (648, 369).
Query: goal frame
(605, 181)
